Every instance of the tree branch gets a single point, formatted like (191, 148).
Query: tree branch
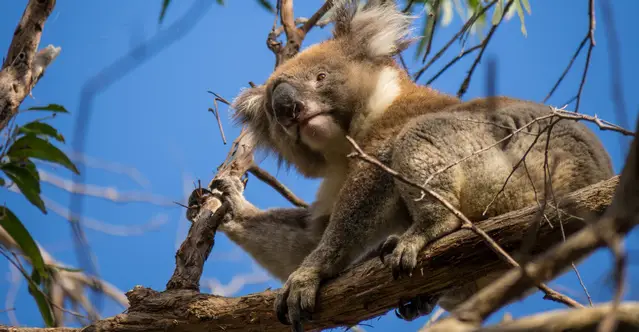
(22, 67)
(364, 291)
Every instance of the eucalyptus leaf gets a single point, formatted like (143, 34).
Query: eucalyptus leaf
(14, 227)
(165, 5)
(41, 128)
(498, 13)
(31, 146)
(43, 305)
(50, 108)
(25, 176)
(266, 5)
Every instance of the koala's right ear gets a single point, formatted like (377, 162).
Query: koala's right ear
(378, 28)
(250, 110)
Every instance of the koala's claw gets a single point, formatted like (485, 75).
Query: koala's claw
(404, 253)
(388, 246)
(416, 307)
(297, 298)
(194, 202)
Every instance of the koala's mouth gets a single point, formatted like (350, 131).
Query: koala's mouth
(304, 120)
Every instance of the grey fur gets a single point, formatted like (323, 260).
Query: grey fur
(360, 207)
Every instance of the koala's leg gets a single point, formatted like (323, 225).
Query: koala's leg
(360, 220)
(277, 239)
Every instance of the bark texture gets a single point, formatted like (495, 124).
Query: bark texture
(366, 290)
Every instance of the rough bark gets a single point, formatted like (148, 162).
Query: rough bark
(363, 292)
(18, 74)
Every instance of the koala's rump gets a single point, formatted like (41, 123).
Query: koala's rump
(474, 137)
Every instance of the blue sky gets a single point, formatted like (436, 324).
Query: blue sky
(155, 120)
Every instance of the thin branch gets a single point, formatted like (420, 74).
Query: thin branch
(431, 26)
(453, 61)
(563, 75)
(584, 319)
(313, 21)
(461, 31)
(216, 112)
(464, 86)
(591, 45)
(277, 185)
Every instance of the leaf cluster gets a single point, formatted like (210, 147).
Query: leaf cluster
(23, 145)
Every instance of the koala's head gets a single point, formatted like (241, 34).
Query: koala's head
(330, 89)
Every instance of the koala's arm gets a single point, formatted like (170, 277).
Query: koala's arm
(277, 239)
(358, 221)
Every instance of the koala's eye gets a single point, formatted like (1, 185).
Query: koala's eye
(321, 77)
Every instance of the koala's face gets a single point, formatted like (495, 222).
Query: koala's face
(305, 108)
(312, 98)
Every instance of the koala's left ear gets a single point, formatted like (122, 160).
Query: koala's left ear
(378, 28)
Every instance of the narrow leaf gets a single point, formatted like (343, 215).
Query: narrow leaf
(50, 107)
(25, 175)
(23, 239)
(526, 6)
(520, 12)
(43, 305)
(165, 5)
(31, 146)
(499, 11)
(41, 128)
(266, 5)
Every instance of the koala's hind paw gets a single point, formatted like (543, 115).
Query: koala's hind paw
(416, 307)
(404, 249)
(296, 301)
(388, 246)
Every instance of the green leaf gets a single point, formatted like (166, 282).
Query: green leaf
(165, 5)
(25, 175)
(520, 12)
(266, 5)
(23, 239)
(43, 305)
(220, 2)
(498, 13)
(50, 107)
(31, 146)
(41, 128)
(526, 6)
(2, 182)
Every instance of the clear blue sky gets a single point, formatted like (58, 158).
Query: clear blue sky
(156, 120)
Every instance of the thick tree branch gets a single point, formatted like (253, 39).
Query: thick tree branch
(190, 258)
(23, 67)
(365, 291)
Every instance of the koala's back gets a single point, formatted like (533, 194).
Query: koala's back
(431, 142)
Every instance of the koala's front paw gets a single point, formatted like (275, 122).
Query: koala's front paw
(404, 250)
(232, 190)
(297, 297)
(416, 307)
(195, 200)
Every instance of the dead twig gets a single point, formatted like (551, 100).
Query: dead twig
(464, 86)
(277, 185)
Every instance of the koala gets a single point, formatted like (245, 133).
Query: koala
(351, 85)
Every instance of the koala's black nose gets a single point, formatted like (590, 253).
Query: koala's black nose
(286, 102)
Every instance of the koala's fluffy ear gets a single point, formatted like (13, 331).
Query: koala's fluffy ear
(378, 28)
(249, 110)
